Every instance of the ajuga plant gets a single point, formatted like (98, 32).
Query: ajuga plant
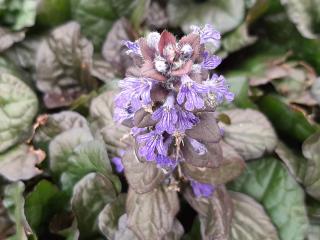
(169, 100)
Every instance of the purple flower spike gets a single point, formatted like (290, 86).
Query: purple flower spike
(133, 47)
(207, 34)
(218, 86)
(166, 115)
(210, 61)
(192, 92)
(162, 100)
(118, 164)
(202, 189)
(166, 162)
(186, 120)
(150, 143)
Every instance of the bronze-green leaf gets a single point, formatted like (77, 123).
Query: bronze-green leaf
(151, 215)
(311, 151)
(215, 213)
(18, 107)
(231, 167)
(250, 221)
(141, 176)
(90, 195)
(250, 133)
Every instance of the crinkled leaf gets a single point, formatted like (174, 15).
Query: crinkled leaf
(73, 154)
(14, 203)
(151, 215)
(7, 66)
(103, 70)
(264, 68)
(63, 65)
(176, 231)
(316, 90)
(23, 53)
(294, 161)
(62, 147)
(142, 176)
(238, 39)
(155, 14)
(18, 14)
(291, 79)
(314, 232)
(8, 38)
(229, 168)
(268, 182)
(305, 15)
(211, 157)
(123, 231)
(18, 107)
(59, 122)
(20, 162)
(101, 112)
(90, 195)
(250, 133)
(7, 227)
(311, 151)
(215, 213)
(53, 12)
(109, 216)
(90, 155)
(114, 51)
(216, 225)
(250, 221)
(295, 84)
(143, 119)
(227, 14)
(239, 85)
(207, 130)
(96, 18)
(42, 203)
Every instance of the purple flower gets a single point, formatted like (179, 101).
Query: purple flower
(135, 131)
(118, 164)
(210, 61)
(198, 147)
(166, 162)
(202, 189)
(151, 144)
(221, 131)
(166, 115)
(133, 47)
(123, 113)
(134, 91)
(218, 86)
(186, 120)
(192, 92)
(207, 34)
